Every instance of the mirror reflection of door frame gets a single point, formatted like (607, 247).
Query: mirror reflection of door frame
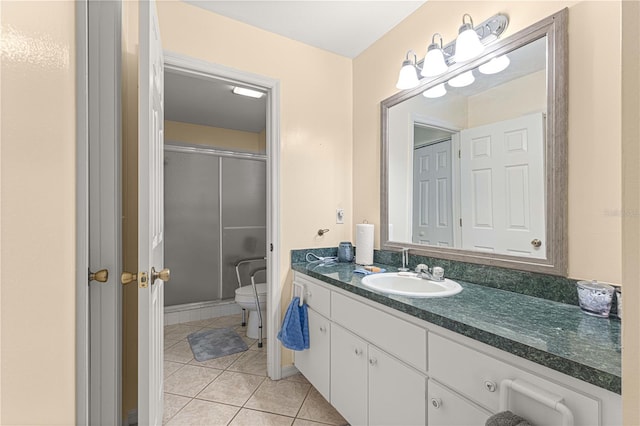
(420, 120)
(435, 230)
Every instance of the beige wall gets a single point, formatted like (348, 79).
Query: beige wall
(38, 213)
(498, 103)
(176, 131)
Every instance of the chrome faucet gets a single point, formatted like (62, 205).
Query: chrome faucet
(405, 260)
(435, 274)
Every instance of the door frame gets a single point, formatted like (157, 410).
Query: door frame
(98, 230)
(196, 67)
(82, 213)
(203, 69)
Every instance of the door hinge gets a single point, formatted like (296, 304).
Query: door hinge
(460, 221)
(459, 154)
(271, 247)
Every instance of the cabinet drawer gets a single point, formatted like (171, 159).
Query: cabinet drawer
(449, 363)
(400, 338)
(316, 296)
(447, 408)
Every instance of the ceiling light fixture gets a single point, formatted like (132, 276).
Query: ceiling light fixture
(431, 66)
(248, 92)
(434, 63)
(495, 65)
(408, 78)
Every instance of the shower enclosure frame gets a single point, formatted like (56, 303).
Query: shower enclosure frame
(202, 69)
(176, 146)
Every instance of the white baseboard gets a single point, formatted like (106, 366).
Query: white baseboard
(178, 314)
(289, 370)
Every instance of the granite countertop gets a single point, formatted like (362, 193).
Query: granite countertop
(557, 335)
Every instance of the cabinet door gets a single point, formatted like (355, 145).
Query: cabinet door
(313, 363)
(396, 392)
(349, 375)
(447, 408)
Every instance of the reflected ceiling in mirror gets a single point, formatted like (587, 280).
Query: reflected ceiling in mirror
(473, 174)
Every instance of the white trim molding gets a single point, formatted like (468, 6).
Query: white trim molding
(82, 213)
(203, 69)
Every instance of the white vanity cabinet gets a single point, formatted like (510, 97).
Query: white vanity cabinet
(349, 370)
(374, 365)
(369, 386)
(396, 391)
(313, 363)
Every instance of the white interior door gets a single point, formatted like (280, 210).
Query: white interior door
(503, 187)
(150, 217)
(432, 196)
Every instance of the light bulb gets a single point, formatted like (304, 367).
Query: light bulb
(434, 63)
(408, 78)
(462, 80)
(468, 44)
(495, 65)
(435, 92)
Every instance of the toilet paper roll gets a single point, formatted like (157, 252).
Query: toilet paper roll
(364, 244)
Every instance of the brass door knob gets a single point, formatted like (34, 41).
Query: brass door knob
(101, 276)
(164, 275)
(128, 277)
(536, 243)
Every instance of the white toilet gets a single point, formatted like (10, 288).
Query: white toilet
(245, 297)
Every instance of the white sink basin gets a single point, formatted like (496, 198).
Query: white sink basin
(410, 285)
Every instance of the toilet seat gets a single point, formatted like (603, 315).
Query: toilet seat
(246, 298)
(246, 295)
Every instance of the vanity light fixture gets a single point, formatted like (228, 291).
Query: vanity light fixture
(455, 51)
(495, 65)
(468, 44)
(408, 78)
(247, 92)
(435, 92)
(434, 63)
(462, 80)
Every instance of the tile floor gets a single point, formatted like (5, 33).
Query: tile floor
(235, 389)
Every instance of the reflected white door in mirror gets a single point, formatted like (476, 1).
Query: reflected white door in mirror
(502, 187)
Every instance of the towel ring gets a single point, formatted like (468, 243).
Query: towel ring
(548, 399)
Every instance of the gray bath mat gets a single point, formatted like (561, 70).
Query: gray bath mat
(210, 344)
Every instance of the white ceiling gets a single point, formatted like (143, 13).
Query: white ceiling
(211, 103)
(343, 27)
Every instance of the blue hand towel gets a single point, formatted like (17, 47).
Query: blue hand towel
(294, 333)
